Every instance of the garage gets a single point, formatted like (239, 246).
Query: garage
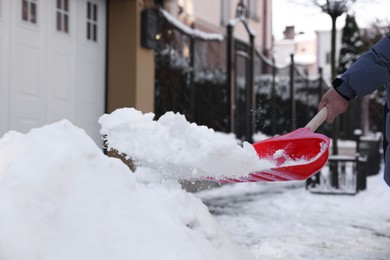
(52, 63)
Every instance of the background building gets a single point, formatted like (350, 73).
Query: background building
(302, 46)
(77, 59)
(323, 51)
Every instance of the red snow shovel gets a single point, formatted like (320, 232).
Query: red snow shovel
(296, 155)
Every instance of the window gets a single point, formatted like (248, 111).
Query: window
(225, 11)
(252, 9)
(92, 18)
(62, 16)
(29, 11)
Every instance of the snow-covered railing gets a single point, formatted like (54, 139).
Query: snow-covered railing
(195, 33)
(302, 75)
(297, 69)
(269, 62)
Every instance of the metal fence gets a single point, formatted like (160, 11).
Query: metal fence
(191, 78)
(286, 97)
(190, 74)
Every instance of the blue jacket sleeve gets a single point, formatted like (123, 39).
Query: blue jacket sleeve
(369, 72)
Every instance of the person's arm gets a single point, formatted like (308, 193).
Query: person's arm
(368, 73)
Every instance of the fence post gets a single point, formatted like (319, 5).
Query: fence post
(320, 85)
(292, 93)
(230, 84)
(192, 87)
(250, 97)
(273, 99)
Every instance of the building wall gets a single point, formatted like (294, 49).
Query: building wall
(4, 69)
(302, 46)
(305, 53)
(130, 67)
(209, 15)
(323, 51)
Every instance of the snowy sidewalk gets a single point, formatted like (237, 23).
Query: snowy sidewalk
(285, 221)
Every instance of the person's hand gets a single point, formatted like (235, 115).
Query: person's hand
(336, 104)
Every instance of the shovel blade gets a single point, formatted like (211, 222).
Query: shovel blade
(297, 156)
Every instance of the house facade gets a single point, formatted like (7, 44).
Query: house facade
(65, 59)
(52, 63)
(79, 59)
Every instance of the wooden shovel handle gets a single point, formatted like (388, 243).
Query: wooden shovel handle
(318, 119)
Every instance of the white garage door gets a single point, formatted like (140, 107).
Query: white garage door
(52, 63)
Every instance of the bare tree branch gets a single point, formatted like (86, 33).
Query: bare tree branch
(334, 8)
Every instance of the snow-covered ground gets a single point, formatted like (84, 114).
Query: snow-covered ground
(62, 198)
(285, 221)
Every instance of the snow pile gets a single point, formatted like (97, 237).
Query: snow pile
(177, 148)
(62, 198)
